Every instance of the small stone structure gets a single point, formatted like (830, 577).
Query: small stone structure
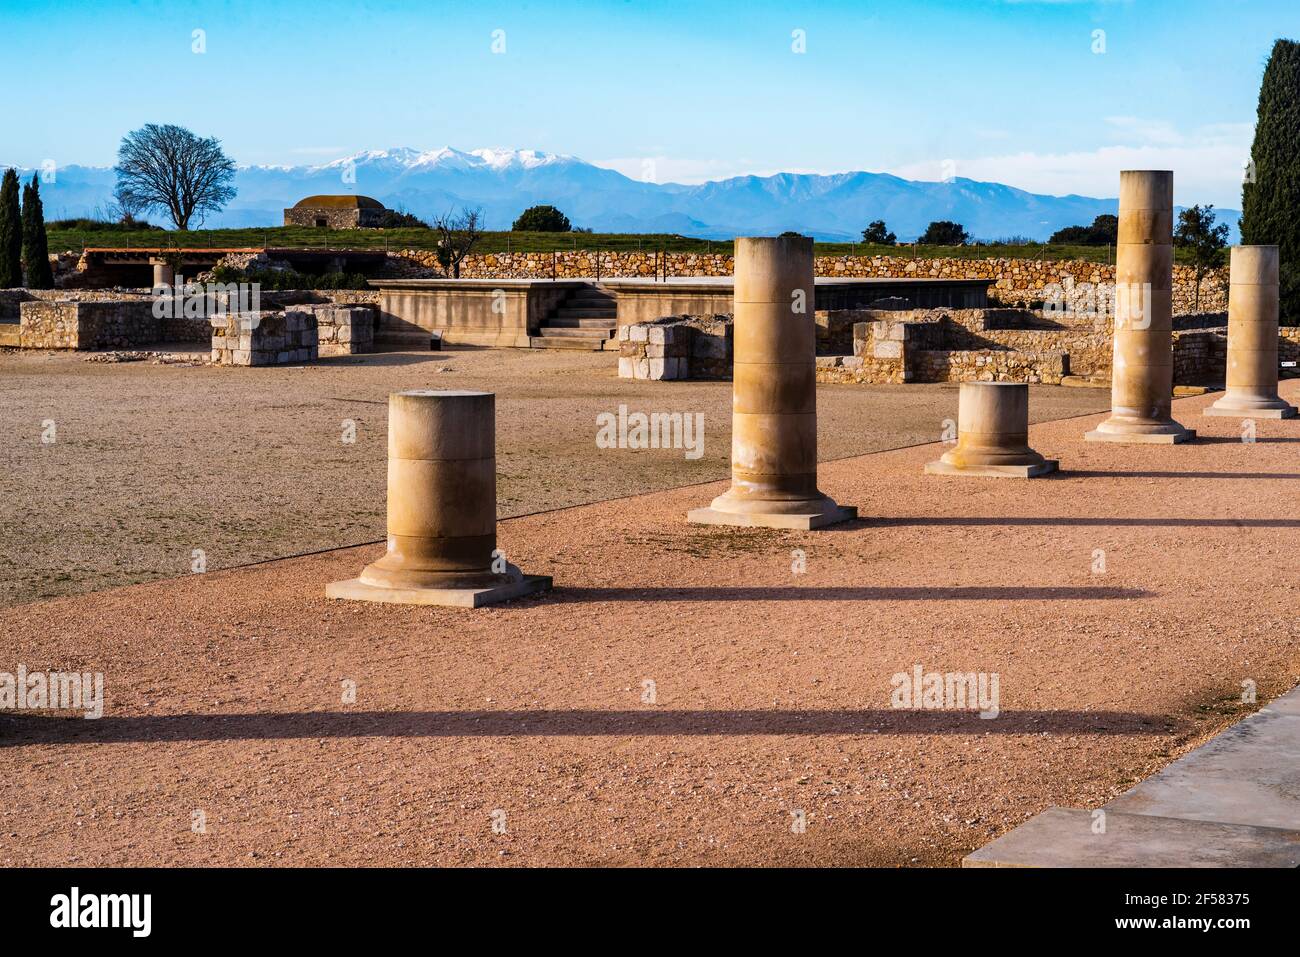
(442, 508)
(342, 330)
(335, 212)
(1252, 361)
(774, 395)
(265, 338)
(1142, 378)
(676, 347)
(992, 434)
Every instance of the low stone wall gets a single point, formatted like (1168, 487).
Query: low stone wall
(265, 339)
(1016, 281)
(1200, 357)
(122, 324)
(676, 347)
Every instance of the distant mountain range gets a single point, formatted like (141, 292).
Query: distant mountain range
(505, 182)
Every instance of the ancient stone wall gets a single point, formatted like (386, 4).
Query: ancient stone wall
(683, 347)
(1016, 281)
(265, 339)
(343, 330)
(121, 324)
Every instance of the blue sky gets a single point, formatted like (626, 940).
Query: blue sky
(990, 89)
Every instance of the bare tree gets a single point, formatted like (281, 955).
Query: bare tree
(458, 234)
(169, 168)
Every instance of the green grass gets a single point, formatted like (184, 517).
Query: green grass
(499, 242)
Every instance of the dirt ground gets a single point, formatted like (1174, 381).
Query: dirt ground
(150, 462)
(684, 696)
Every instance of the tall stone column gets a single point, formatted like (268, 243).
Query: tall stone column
(992, 434)
(441, 508)
(774, 394)
(1142, 374)
(1252, 338)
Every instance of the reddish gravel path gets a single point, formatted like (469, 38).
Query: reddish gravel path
(772, 688)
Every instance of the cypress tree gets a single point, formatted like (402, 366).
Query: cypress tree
(36, 249)
(1270, 194)
(11, 233)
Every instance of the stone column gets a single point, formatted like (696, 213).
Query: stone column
(163, 274)
(1142, 374)
(441, 508)
(774, 394)
(993, 434)
(1252, 338)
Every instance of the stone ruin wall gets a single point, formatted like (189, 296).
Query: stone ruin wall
(1015, 281)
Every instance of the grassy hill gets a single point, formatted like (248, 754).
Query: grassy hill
(499, 242)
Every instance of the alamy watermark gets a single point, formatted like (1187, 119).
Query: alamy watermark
(1128, 303)
(213, 300)
(652, 430)
(56, 690)
(921, 690)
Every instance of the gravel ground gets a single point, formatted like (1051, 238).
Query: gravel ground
(152, 461)
(771, 689)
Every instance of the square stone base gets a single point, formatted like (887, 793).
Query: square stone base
(355, 589)
(803, 523)
(940, 467)
(1287, 413)
(1140, 438)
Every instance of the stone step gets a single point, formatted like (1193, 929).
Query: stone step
(595, 312)
(9, 332)
(558, 342)
(582, 322)
(576, 332)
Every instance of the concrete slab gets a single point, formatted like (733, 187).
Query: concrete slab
(1287, 413)
(355, 589)
(940, 467)
(1249, 774)
(1288, 703)
(805, 523)
(1067, 837)
(1187, 435)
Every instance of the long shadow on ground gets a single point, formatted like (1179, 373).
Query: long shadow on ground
(21, 730)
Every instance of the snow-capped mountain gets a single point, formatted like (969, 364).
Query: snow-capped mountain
(504, 182)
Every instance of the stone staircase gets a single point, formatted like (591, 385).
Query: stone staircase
(586, 319)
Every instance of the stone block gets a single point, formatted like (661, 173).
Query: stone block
(626, 368)
(888, 350)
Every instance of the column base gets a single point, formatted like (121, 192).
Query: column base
(355, 589)
(1228, 413)
(804, 523)
(940, 467)
(1141, 438)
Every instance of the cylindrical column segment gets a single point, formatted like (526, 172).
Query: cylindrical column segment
(441, 507)
(993, 434)
(1252, 337)
(774, 392)
(1142, 373)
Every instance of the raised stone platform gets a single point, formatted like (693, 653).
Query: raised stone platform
(1046, 467)
(357, 590)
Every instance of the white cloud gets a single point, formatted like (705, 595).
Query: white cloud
(690, 171)
(1207, 163)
